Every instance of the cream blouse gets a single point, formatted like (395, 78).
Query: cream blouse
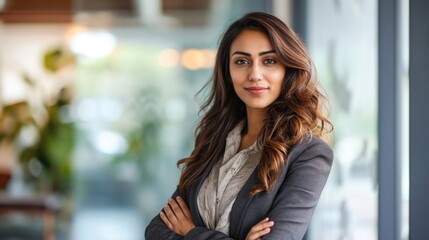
(221, 187)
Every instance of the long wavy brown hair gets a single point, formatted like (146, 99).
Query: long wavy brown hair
(300, 108)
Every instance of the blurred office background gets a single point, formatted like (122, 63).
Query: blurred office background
(97, 104)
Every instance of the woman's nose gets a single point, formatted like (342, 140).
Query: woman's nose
(255, 73)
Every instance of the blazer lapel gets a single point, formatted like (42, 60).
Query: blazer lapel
(240, 205)
(193, 191)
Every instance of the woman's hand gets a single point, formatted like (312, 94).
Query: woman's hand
(262, 228)
(177, 217)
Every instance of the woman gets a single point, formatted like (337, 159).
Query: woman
(259, 163)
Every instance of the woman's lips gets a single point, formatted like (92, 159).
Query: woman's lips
(256, 90)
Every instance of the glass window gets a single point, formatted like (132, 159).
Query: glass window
(405, 113)
(342, 39)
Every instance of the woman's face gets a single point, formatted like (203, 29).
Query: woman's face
(256, 72)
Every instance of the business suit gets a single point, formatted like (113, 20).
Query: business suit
(290, 204)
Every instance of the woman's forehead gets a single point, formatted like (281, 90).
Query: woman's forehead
(251, 41)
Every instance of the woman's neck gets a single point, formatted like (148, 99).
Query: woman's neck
(255, 121)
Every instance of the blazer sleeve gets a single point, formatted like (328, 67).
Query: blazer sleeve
(203, 233)
(300, 190)
(158, 230)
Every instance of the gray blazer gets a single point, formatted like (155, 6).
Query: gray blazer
(290, 204)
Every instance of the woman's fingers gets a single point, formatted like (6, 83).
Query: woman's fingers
(170, 214)
(263, 224)
(258, 234)
(167, 222)
(260, 229)
(176, 208)
(184, 207)
(177, 217)
(173, 208)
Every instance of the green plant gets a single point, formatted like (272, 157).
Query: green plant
(46, 161)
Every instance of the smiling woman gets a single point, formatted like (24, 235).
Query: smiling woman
(256, 73)
(261, 157)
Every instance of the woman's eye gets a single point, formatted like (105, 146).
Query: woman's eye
(270, 61)
(241, 62)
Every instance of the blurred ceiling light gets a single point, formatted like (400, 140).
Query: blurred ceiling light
(192, 59)
(168, 58)
(111, 143)
(72, 30)
(209, 58)
(95, 44)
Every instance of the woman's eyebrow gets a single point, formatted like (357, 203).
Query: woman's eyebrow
(248, 54)
(241, 53)
(266, 52)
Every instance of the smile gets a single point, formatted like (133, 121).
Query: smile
(256, 90)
